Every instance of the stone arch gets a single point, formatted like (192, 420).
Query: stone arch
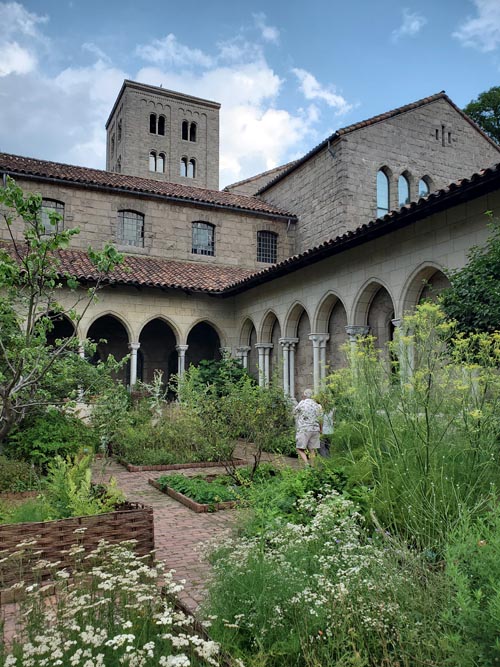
(364, 299)
(164, 319)
(426, 282)
(62, 327)
(248, 337)
(270, 332)
(303, 355)
(157, 351)
(216, 327)
(323, 311)
(116, 316)
(246, 331)
(112, 338)
(292, 319)
(267, 325)
(204, 342)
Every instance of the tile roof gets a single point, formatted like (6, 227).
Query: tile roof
(269, 173)
(458, 192)
(18, 165)
(371, 121)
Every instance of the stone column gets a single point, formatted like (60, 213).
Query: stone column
(291, 364)
(264, 350)
(319, 344)
(81, 350)
(286, 373)
(181, 359)
(242, 353)
(133, 363)
(405, 352)
(225, 352)
(288, 345)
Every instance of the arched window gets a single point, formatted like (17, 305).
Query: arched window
(267, 246)
(184, 166)
(403, 191)
(382, 193)
(423, 187)
(191, 169)
(185, 130)
(120, 130)
(52, 206)
(152, 123)
(192, 132)
(131, 228)
(203, 239)
(112, 144)
(119, 164)
(161, 125)
(160, 163)
(152, 161)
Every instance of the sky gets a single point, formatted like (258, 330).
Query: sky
(287, 73)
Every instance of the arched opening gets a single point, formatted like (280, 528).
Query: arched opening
(191, 168)
(161, 125)
(62, 328)
(426, 284)
(152, 161)
(337, 322)
(403, 190)
(185, 130)
(249, 338)
(271, 333)
(382, 192)
(160, 163)
(433, 287)
(380, 316)
(203, 343)
(152, 123)
(424, 186)
(192, 132)
(157, 350)
(303, 356)
(111, 338)
(183, 166)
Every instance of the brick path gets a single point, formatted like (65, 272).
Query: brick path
(181, 535)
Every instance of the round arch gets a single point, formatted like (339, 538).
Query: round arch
(111, 337)
(157, 351)
(114, 315)
(323, 311)
(62, 327)
(364, 299)
(246, 330)
(426, 282)
(268, 324)
(217, 329)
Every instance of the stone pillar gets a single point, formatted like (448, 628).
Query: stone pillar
(289, 364)
(225, 352)
(133, 363)
(356, 331)
(264, 350)
(319, 349)
(81, 350)
(242, 353)
(405, 352)
(181, 359)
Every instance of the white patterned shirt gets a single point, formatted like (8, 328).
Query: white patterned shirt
(307, 415)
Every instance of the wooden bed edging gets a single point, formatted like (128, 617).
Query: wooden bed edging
(180, 466)
(192, 504)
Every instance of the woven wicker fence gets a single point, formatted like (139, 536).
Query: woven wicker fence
(130, 521)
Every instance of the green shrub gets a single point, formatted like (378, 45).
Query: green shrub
(40, 439)
(17, 476)
(199, 489)
(27, 511)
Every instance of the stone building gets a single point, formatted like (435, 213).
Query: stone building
(278, 270)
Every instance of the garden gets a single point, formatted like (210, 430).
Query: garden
(384, 553)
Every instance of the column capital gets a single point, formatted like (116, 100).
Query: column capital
(397, 322)
(356, 330)
(243, 349)
(319, 338)
(181, 348)
(291, 342)
(225, 351)
(264, 346)
(134, 346)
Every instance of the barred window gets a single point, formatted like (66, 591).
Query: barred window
(203, 238)
(267, 247)
(52, 206)
(131, 228)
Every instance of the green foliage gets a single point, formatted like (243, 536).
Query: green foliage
(218, 374)
(473, 568)
(486, 112)
(199, 489)
(473, 299)
(110, 412)
(17, 476)
(32, 373)
(48, 434)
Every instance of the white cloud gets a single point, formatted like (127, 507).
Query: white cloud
(168, 51)
(411, 25)
(92, 48)
(313, 90)
(268, 32)
(14, 18)
(482, 31)
(15, 60)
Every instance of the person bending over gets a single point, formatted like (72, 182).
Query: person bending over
(308, 415)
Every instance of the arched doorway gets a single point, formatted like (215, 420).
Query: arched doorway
(426, 285)
(111, 338)
(157, 351)
(203, 343)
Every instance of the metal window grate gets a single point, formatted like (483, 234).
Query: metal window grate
(49, 206)
(203, 239)
(267, 247)
(131, 228)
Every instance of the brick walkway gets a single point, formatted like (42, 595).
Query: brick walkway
(181, 535)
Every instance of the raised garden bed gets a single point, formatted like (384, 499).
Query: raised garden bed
(192, 504)
(130, 521)
(180, 466)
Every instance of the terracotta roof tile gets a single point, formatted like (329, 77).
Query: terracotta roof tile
(18, 165)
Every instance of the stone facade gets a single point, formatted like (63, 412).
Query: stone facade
(130, 140)
(335, 189)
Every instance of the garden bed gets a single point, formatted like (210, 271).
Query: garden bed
(52, 540)
(192, 504)
(180, 466)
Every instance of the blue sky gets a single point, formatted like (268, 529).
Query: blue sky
(286, 72)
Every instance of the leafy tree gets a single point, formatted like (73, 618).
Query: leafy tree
(474, 296)
(486, 112)
(34, 374)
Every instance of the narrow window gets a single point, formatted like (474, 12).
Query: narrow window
(152, 161)
(403, 191)
(203, 242)
(191, 170)
(120, 130)
(160, 163)
(152, 123)
(449, 137)
(192, 132)
(442, 135)
(112, 144)
(185, 130)
(437, 134)
(423, 188)
(184, 163)
(161, 125)
(131, 228)
(119, 164)
(267, 246)
(49, 207)
(382, 193)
